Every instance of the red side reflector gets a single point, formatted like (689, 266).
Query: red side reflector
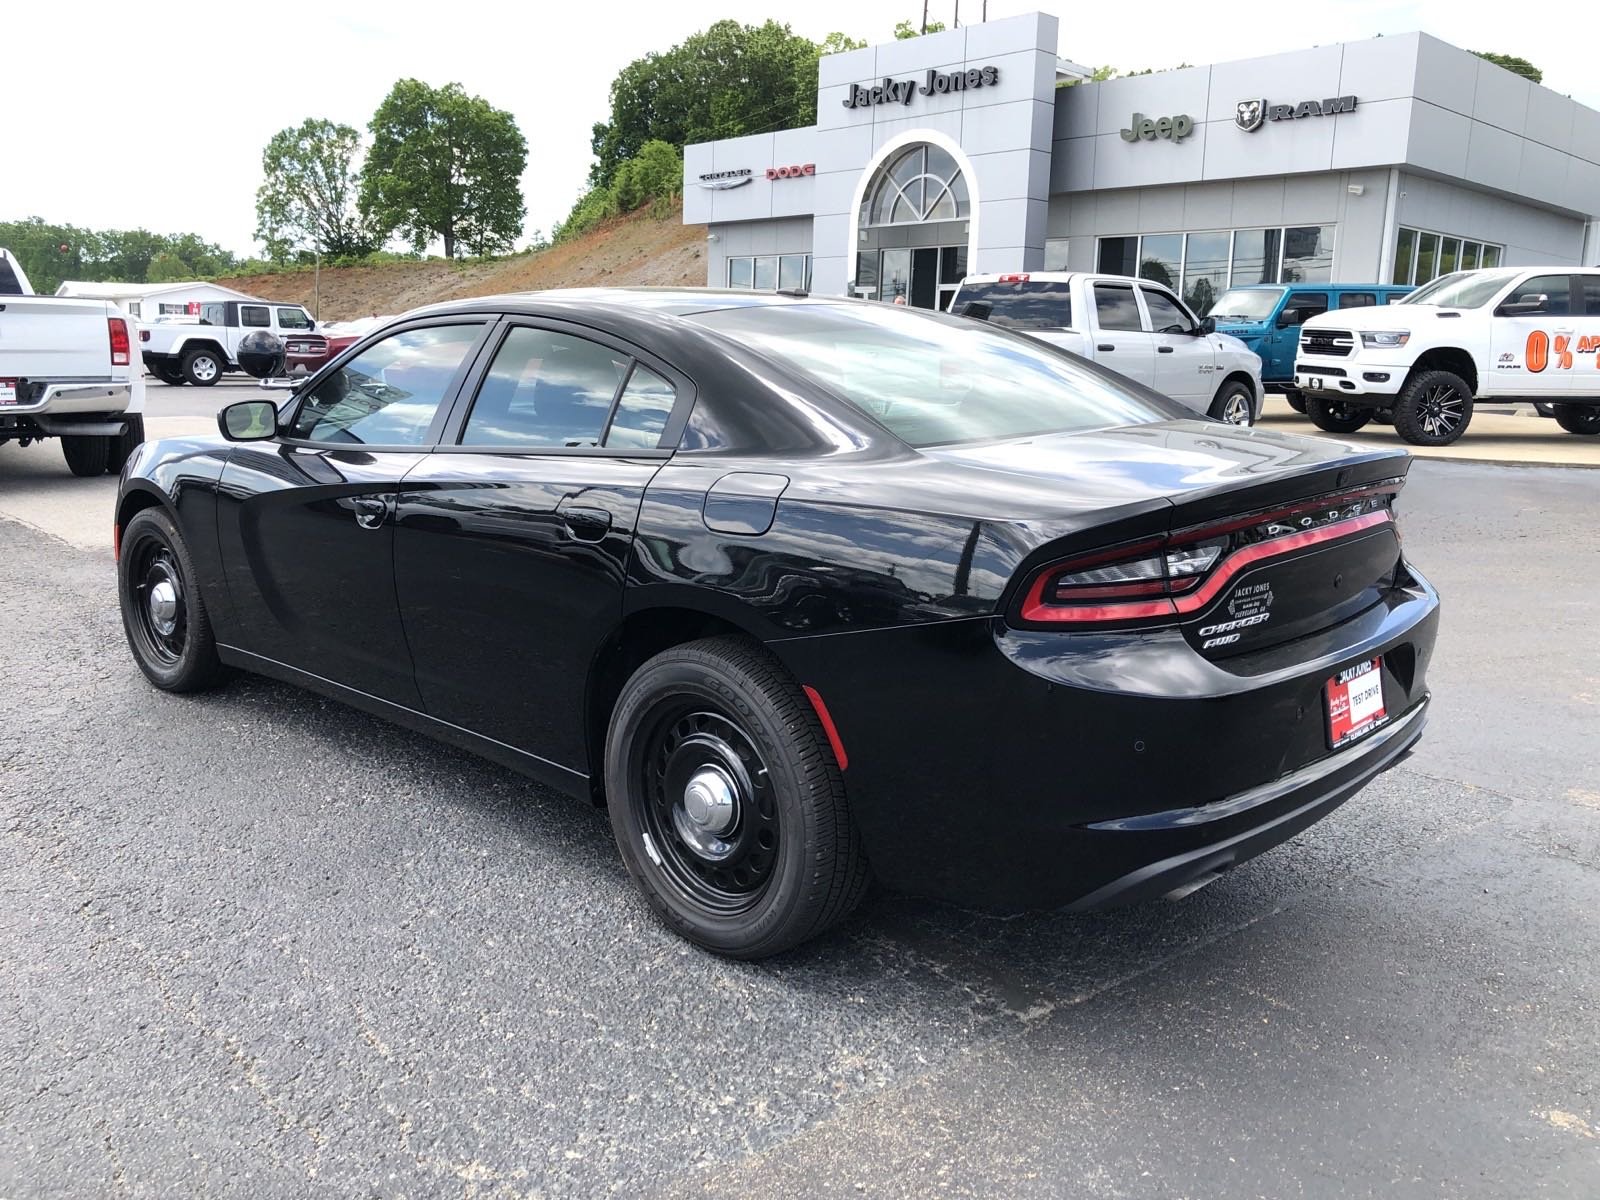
(828, 726)
(118, 328)
(1013, 279)
(116, 542)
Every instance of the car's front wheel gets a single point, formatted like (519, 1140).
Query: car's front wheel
(1234, 403)
(727, 802)
(1578, 418)
(163, 613)
(1336, 416)
(1433, 409)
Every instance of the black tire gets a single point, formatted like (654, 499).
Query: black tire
(1383, 416)
(86, 454)
(203, 368)
(1433, 409)
(184, 658)
(1336, 415)
(1578, 418)
(168, 374)
(122, 447)
(1297, 401)
(1234, 403)
(784, 861)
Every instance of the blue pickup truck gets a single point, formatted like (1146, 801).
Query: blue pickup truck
(1267, 318)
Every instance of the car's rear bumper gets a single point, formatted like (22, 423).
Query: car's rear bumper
(75, 396)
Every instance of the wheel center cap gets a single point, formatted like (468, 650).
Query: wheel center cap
(709, 809)
(164, 606)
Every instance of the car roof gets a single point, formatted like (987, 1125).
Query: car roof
(665, 301)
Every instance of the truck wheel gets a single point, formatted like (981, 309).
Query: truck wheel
(1578, 418)
(163, 613)
(1235, 404)
(1297, 400)
(168, 374)
(202, 367)
(1336, 416)
(86, 454)
(1433, 409)
(124, 445)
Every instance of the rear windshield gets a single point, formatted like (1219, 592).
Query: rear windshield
(934, 380)
(1245, 304)
(1016, 305)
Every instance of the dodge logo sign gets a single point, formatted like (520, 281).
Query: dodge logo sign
(1248, 114)
(792, 172)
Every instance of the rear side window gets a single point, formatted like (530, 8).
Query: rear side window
(546, 390)
(1358, 300)
(389, 394)
(1115, 307)
(1301, 307)
(211, 314)
(254, 316)
(1027, 305)
(1591, 295)
(642, 411)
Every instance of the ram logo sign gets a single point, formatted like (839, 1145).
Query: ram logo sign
(1249, 115)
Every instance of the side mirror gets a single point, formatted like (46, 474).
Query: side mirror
(1286, 318)
(1526, 307)
(1207, 325)
(311, 323)
(249, 421)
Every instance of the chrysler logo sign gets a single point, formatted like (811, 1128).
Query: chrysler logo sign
(720, 181)
(1248, 115)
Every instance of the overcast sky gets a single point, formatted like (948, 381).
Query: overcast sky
(155, 115)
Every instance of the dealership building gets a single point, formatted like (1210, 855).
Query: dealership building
(1394, 159)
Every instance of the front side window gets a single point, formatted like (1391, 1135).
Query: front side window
(545, 390)
(389, 393)
(1115, 307)
(293, 318)
(211, 314)
(1557, 289)
(254, 316)
(1165, 315)
(1300, 307)
(934, 380)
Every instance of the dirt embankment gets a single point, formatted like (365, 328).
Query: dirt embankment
(633, 250)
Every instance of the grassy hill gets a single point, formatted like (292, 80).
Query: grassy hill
(635, 249)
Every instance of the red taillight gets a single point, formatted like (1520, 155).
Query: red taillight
(144, 335)
(119, 341)
(1168, 577)
(1014, 279)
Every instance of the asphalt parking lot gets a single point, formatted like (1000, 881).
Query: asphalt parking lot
(254, 943)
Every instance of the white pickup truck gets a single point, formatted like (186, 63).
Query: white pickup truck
(1135, 327)
(1507, 334)
(201, 351)
(67, 371)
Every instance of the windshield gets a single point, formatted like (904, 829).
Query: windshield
(934, 380)
(1245, 304)
(1463, 289)
(1017, 305)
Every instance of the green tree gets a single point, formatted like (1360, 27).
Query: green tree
(51, 253)
(307, 199)
(657, 172)
(167, 267)
(838, 43)
(906, 29)
(1518, 66)
(444, 165)
(727, 80)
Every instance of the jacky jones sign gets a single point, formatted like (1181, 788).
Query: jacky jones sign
(936, 83)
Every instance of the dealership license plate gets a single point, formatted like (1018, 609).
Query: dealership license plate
(8, 392)
(1314, 383)
(1355, 703)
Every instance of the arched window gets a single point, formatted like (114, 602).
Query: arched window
(920, 183)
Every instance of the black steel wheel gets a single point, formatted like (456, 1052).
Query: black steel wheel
(1578, 418)
(1336, 415)
(727, 803)
(1433, 409)
(163, 614)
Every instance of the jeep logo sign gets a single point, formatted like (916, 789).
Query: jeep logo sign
(1143, 128)
(1248, 115)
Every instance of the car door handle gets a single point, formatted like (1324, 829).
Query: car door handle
(1163, 349)
(585, 522)
(1105, 346)
(370, 510)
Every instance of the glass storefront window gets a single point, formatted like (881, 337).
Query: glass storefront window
(1055, 254)
(1119, 255)
(739, 272)
(1449, 256)
(1427, 258)
(1255, 256)
(792, 272)
(1161, 259)
(1405, 256)
(1205, 269)
(1491, 257)
(1308, 254)
(1420, 256)
(953, 264)
(766, 273)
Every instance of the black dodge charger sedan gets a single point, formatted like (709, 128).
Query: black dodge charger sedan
(803, 590)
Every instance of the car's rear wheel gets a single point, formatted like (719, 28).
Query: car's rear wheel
(163, 613)
(1234, 403)
(168, 374)
(727, 802)
(1578, 418)
(125, 444)
(1433, 409)
(1336, 416)
(86, 454)
(202, 367)
(1297, 400)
